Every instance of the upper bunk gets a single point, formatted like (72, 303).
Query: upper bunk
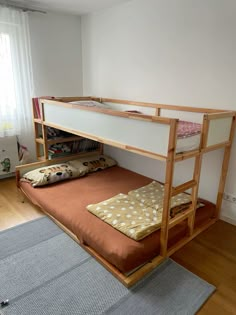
(138, 126)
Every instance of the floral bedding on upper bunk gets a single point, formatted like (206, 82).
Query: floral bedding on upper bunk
(187, 129)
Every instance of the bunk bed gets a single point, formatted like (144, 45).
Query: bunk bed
(140, 128)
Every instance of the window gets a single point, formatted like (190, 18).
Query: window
(15, 75)
(7, 90)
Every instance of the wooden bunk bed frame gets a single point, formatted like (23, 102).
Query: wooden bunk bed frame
(217, 132)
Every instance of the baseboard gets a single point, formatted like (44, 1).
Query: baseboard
(227, 219)
(7, 176)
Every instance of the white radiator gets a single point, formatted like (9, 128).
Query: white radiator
(8, 156)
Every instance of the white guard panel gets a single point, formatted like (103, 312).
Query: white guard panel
(219, 131)
(145, 135)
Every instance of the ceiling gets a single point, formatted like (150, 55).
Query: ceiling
(77, 7)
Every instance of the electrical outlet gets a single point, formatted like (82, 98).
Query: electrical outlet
(229, 197)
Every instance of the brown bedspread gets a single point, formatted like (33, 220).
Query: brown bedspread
(66, 201)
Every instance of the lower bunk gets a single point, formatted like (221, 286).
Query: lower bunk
(126, 258)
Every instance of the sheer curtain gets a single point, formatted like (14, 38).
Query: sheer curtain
(15, 75)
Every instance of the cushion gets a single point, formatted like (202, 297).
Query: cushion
(51, 174)
(95, 162)
(128, 215)
(152, 195)
(89, 103)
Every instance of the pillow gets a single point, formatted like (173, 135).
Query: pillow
(83, 169)
(152, 195)
(128, 215)
(51, 174)
(94, 162)
(88, 103)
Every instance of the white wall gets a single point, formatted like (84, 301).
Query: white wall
(57, 58)
(56, 54)
(166, 51)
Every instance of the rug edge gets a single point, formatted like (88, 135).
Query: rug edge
(21, 224)
(203, 299)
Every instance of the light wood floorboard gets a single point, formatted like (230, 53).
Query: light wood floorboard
(12, 210)
(211, 255)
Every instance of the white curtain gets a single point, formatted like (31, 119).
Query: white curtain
(16, 80)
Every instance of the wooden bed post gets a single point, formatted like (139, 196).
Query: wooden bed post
(44, 133)
(36, 128)
(168, 187)
(196, 178)
(224, 170)
(158, 112)
(197, 174)
(101, 148)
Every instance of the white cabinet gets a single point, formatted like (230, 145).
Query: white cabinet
(8, 155)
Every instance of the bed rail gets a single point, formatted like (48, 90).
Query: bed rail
(143, 134)
(159, 107)
(140, 133)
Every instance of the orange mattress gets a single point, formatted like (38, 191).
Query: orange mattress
(66, 201)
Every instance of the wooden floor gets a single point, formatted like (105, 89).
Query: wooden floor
(12, 210)
(211, 256)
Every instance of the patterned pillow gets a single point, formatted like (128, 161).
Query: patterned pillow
(152, 195)
(94, 162)
(51, 174)
(79, 166)
(128, 215)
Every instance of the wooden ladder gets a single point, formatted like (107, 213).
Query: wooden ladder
(193, 184)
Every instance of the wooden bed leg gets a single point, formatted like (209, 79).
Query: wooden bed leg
(20, 196)
(101, 148)
(17, 173)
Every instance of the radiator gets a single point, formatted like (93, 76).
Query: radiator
(8, 156)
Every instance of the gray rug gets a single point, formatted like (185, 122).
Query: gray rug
(44, 272)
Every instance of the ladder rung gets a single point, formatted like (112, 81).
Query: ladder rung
(185, 186)
(186, 155)
(180, 217)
